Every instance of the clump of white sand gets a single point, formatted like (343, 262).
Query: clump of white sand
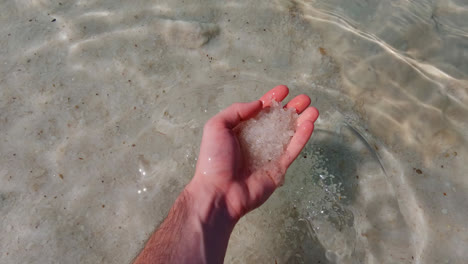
(265, 137)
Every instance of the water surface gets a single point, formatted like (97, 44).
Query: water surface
(102, 105)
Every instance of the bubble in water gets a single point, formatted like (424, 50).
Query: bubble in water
(140, 191)
(319, 196)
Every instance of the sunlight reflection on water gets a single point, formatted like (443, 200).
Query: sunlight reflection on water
(112, 96)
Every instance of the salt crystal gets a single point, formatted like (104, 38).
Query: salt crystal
(265, 137)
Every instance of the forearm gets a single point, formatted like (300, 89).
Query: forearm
(196, 230)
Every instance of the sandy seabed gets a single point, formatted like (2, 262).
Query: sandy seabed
(102, 105)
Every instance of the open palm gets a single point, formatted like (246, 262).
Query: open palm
(220, 168)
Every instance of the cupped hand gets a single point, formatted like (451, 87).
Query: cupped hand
(220, 169)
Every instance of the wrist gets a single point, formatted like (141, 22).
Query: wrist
(208, 213)
(207, 206)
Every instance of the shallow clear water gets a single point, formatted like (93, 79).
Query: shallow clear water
(102, 105)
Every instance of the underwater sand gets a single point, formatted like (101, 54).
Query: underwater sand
(102, 105)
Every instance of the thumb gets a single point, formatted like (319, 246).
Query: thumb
(238, 112)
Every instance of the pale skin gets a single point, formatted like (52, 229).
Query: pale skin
(198, 226)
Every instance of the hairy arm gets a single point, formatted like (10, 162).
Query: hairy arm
(196, 230)
(222, 190)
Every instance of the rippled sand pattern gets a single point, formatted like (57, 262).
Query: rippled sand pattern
(102, 105)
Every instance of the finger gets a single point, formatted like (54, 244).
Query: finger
(236, 113)
(299, 103)
(278, 94)
(311, 114)
(297, 143)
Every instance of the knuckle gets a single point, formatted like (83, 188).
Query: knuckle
(208, 124)
(211, 124)
(235, 106)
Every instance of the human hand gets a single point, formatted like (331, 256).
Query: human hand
(220, 173)
(199, 224)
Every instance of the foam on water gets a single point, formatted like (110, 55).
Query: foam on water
(265, 137)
